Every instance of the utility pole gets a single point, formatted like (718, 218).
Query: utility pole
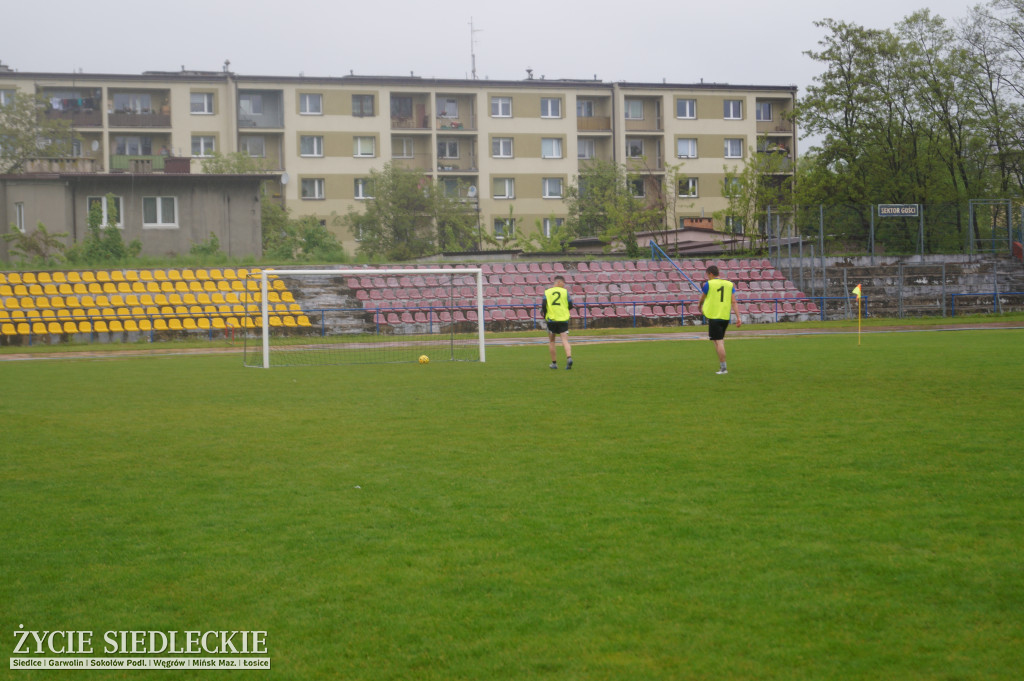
(472, 45)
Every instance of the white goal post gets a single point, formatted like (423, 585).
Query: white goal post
(361, 315)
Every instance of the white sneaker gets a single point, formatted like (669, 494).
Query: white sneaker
(722, 371)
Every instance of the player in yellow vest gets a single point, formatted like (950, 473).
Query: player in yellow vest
(717, 302)
(556, 305)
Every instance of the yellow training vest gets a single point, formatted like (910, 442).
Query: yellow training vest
(718, 301)
(558, 304)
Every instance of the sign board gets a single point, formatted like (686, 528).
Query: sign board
(898, 210)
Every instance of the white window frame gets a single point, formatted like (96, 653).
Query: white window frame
(311, 104)
(689, 107)
(161, 221)
(447, 107)
(501, 107)
(207, 146)
(508, 188)
(362, 98)
(504, 228)
(691, 186)
(586, 149)
(358, 150)
(550, 107)
(554, 145)
(584, 108)
(732, 109)
(448, 145)
(731, 188)
(250, 104)
(630, 143)
(498, 147)
(761, 108)
(728, 152)
(245, 140)
(403, 147)
(691, 143)
(103, 206)
(629, 112)
(362, 186)
(19, 217)
(637, 182)
(552, 187)
(205, 103)
(547, 225)
(318, 146)
(315, 191)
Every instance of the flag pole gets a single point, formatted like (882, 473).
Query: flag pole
(858, 320)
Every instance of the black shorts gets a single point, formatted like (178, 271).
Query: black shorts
(716, 328)
(557, 327)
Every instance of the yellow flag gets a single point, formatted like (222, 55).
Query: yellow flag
(856, 290)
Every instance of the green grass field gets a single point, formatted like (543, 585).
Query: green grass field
(826, 511)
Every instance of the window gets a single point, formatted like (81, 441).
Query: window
(403, 147)
(364, 188)
(551, 147)
(733, 109)
(133, 146)
(201, 103)
(362, 105)
(202, 145)
(447, 148)
(550, 107)
(448, 107)
(313, 188)
(550, 223)
(686, 108)
(6, 97)
(733, 147)
(250, 105)
(253, 145)
(401, 107)
(763, 111)
(585, 149)
(133, 103)
(311, 145)
(365, 146)
(686, 147)
(634, 147)
(636, 187)
(688, 187)
(76, 148)
(504, 228)
(501, 147)
(311, 104)
(731, 187)
(634, 110)
(504, 188)
(585, 108)
(451, 187)
(501, 107)
(552, 187)
(109, 206)
(734, 224)
(159, 211)
(19, 216)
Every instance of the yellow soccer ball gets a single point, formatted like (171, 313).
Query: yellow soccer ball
(424, 359)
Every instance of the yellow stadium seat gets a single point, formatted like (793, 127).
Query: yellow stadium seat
(188, 275)
(209, 285)
(3, 278)
(116, 275)
(223, 285)
(214, 274)
(174, 325)
(139, 287)
(6, 290)
(202, 274)
(231, 323)
(58, 277)
(42, 301)
(49, 289)
(86, 301)
(145, 325)
(85, 326)
(124, 287)
(145, 275)
(54, 327)
(57, 301)
(203, 298)
(43, 278)
(131, 300)
(228, 273)
(174, 275)
(109, 287)
(188, 324)
(289, 320)
(203, 323)
(95, 288)
(100, 326)
(130, 325)
(88, 277)
(13, 278)
(102, 275)
(35, 290)
(20, 290)
(70, 327)
(74, 277)
(181, 286)
(275, 320)
(78, 313)
(28, 277)
(65, 289)
(39, 328)
(116, 300)
(218, 323)
(116, 326)
(152, 287)
(303, 320)
(9, 330)
(131, 275)
(24, 328)
(79, 288)
(160, 324)
(102, 301)
(167, 311)
(13, 304)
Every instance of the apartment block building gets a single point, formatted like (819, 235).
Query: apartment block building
(507, 147)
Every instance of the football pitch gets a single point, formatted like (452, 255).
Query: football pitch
(825, 511)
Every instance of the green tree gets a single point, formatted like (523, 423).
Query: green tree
(235, 162)
(604, 203)
(25, 133)
(298, 239)
(410, 216)
(103, 244)
(763, 187)
(38, 247)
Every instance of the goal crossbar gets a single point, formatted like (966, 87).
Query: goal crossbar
(266, 274)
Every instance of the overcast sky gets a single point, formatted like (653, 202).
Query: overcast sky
(681, 41)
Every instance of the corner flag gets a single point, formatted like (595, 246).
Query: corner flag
(856, 290)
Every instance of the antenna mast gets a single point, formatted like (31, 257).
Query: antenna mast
(472, 45)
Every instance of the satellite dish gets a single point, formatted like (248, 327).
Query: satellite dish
(471, 193)
(95, 145)
(284, 179)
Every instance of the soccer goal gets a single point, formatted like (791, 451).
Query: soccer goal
(362, 316)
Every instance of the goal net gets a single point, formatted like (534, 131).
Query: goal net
(362, 316)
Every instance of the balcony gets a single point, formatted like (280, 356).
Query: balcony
(594, 123)
(145, 119)
(410, 123)
(79, 118)
(455, 124)
(136, 164)
(455, 165)
(64, 165)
